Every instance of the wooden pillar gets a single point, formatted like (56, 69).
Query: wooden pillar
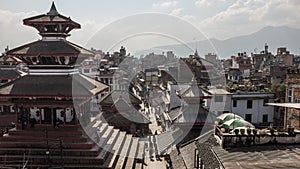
(65, 118)
(285, 121)
(74, 114)
(27, 111)
(16, 111)
(52, 116)
(40, 115)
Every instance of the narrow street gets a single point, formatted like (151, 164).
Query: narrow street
(151, 160)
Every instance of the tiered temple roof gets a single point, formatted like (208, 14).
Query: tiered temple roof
(53, 48)
(41, 86)
(48, 132)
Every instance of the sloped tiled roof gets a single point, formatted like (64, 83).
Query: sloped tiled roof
(191, 91)
(4, 59)
(49, 48)
(132, 116)
(51, 16)
(52, 85)
(9, 73)
(174, 113)
(167, 139)
(136, 117)
(198, 114)
(209, 159)
(114, 95)
(125, 110)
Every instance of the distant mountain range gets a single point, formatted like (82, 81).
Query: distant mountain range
(253, 43)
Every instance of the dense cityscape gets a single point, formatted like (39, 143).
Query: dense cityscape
(65, 106)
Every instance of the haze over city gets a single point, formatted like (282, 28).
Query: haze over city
(217, 19)
(157, 84)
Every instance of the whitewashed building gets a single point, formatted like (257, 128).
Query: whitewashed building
(252, 106)
(219, 102)
(89, 67)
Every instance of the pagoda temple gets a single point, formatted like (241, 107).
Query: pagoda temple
(53, 127)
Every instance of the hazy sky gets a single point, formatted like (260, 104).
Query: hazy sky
(220, 19)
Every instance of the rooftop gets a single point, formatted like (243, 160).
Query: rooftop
(264, 156)
(110, 99)
(218, 91)
(49, 48)
(51, 86)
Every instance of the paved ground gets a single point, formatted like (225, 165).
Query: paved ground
(153, 163)
(153, 126)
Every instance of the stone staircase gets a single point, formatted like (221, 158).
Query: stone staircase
(97, 146)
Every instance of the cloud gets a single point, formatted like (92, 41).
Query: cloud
(88, 29)
(207, 3)
(189, 17)
(13, 33)
(176, 12)
(248, 16)
(163, 5)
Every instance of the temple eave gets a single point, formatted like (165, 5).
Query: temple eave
(44, 96)
(32, 23)
(49, 55)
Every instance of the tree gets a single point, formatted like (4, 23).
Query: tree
(279, 91)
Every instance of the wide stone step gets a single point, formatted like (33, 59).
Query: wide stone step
(102, 138)
(54, 149)
(141, 150)
(49, 127)
(132, 153)
(43, 139)
(140, 156)
(102, 129)
(44, 133)
(10, 165)
(116, 149)
(20, 144)
(92, 122)
(107, 148)
(93, 131)
(90, 126)
(52, 159)
(124, 152)
(97, 123)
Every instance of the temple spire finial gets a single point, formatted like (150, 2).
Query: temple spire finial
(53, 10)
(196, 54)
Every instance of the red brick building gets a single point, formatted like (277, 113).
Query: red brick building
(292, 114)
